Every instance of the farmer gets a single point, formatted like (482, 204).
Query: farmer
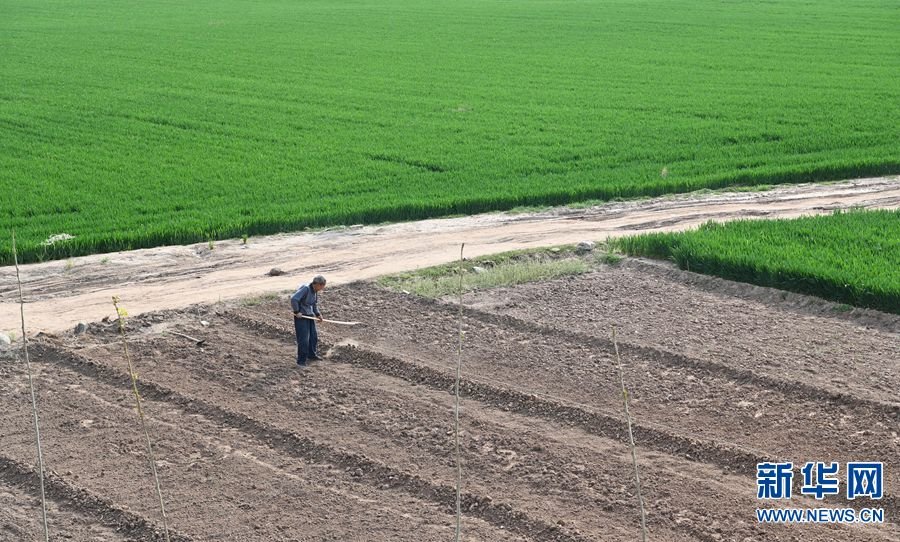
(304, 302)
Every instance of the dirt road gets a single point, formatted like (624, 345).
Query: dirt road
(62, 293)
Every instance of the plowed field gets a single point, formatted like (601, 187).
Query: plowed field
(360, 446)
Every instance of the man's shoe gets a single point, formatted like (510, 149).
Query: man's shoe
(315, 358)
(302, 364)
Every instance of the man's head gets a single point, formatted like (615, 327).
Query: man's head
(318, 283)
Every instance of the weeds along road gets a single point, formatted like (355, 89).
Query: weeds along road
(62, 293)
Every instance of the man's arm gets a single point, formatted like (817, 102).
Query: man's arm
(316, 309)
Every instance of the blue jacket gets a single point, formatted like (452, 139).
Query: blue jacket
(305, 301)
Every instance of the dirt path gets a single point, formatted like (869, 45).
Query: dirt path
(61, 293)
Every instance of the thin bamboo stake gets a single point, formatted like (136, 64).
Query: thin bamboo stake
(34, 411)
(137, 398)
(456, 409)
(637, 478)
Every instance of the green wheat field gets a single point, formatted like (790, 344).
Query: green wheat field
(848, 257)
(137, 124)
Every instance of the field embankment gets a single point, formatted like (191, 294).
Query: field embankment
(60, 294)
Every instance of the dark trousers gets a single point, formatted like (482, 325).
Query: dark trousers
(307, 338)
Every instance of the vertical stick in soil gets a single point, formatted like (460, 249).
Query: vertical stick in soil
(34, 411)
(137, 399)
(637, 478)
(456, 390)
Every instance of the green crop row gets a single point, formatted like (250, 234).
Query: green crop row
(135, 125)
(848, 257)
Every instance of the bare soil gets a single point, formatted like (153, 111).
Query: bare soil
(360, 446)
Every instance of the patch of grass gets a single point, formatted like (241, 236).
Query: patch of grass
(260, 299)
(849, 257)
(503, 275)
(287, 115)
(504, 269)
(608, 258)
